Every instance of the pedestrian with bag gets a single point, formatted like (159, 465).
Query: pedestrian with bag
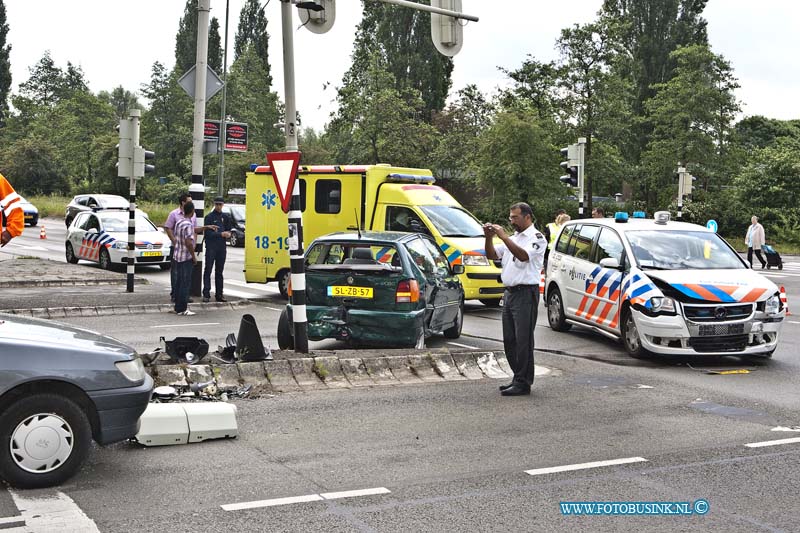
(755, 240)
(216, 249)
(522, 256)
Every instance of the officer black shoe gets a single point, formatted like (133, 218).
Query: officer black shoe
(206, 299)
(221, 299)
(504, 387)
(517, 389)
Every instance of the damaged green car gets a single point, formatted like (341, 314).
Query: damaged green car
(378, 288)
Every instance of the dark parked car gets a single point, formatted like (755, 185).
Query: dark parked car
(236, 211)
(61, 387)
(380, 288)
(94, 202)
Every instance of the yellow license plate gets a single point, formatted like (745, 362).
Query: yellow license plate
(151, 254)
(350, 292)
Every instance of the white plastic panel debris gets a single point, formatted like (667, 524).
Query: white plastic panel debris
(164, 424)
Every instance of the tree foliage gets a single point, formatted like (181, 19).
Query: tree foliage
(186, 41)
(5, 65)
(252, 33)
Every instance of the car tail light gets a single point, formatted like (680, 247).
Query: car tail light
(407, 291)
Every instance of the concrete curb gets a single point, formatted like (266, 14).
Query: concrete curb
(21, 284)
(305, 374)
(106, 310)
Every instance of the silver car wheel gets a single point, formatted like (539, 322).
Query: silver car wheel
(42, 443)
(631, 333)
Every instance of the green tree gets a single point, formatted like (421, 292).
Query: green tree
(691, 117)
(252, 32)
(186, 41)
(121, 100)
(34, 164)
(166, 126)
(376, 123)
(5, 66)
(759, 131)
(401, 38)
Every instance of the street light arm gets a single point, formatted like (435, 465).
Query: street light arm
(431, 9)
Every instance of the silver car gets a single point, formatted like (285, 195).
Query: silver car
(60, 388)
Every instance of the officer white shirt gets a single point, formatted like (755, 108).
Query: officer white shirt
(516, 272)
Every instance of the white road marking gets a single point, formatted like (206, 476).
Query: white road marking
(463, 345)
(271, 503)
(307, 498)
(793, 322)
(198, 324)
(10, 521)
(582, 466)
(273, 309)
(54, 512)
(772, 442)
(640, 386)
(353, 493)
(782, 428)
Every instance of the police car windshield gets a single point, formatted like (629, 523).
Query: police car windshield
(681, 250)
(451, 221)
(118, 222)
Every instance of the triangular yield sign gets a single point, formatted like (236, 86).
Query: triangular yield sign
(284, 171)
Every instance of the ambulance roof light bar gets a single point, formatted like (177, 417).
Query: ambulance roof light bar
(410, 178)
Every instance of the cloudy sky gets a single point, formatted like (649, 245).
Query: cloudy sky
(116, 42)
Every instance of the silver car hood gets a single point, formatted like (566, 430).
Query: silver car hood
(23, 330)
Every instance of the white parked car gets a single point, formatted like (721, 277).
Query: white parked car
(661, 286)
(102, 237)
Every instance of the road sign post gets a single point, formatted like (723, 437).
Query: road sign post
(283, 166)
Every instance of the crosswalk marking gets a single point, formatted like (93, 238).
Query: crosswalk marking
(241, 289)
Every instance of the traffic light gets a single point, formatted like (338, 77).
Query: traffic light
(572, 155)
(687, 184)
(447, 32)
(317, 16)
(140, 155)
(125, 148)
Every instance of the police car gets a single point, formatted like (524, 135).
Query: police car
(102, 237)
(660, 286)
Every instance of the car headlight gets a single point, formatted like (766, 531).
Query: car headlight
(120, 245)
(475, 260)
(662, 304)
(133, 370)
(772, 305)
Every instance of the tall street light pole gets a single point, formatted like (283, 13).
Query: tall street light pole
(221, 145)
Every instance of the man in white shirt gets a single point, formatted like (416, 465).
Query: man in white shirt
(522, 256)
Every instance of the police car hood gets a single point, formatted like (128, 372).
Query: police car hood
(729, 285)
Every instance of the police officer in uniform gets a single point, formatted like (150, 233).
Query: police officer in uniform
(218, 226)
(522, 255)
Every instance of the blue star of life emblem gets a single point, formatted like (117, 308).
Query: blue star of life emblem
(437, 197)
(268, 199)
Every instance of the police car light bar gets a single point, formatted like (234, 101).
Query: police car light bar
(661, 217)
(410, 178)
(639, 214)
(620, 216)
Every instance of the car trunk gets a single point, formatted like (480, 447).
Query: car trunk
(353, 286)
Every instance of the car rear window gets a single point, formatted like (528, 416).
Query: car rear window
(352, 254)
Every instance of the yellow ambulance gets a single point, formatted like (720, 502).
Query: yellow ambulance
(369, 197)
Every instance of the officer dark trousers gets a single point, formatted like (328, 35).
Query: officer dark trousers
(215, 258)
(520, 307)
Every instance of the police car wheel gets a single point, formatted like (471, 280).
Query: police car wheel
(630, 336)
(70, 253)
(105, 260)
(46, 438)
(285, 338)
(555, 311)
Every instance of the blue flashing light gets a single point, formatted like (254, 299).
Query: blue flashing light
(620, 216)
(639, 214)
(253, 167)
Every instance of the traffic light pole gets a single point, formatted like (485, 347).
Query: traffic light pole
(196, 189)
(296, 250)
(130, 268)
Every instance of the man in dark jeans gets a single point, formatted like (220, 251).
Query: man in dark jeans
(219, 226)
(522, 255)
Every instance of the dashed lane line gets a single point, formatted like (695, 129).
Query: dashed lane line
(583, 466)
(306, 498)
(463, 345)
(772, 442)
(183, 325)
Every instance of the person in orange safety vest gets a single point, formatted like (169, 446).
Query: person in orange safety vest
(13, 216)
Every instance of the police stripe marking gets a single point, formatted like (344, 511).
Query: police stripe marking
(584, 466)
